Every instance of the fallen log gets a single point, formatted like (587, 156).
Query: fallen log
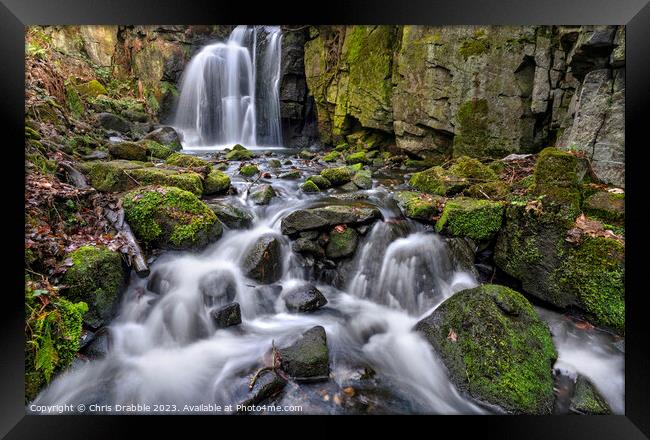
(116, 217)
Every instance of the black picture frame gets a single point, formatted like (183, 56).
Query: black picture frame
(635, 14)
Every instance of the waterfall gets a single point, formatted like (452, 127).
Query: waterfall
(226, 94)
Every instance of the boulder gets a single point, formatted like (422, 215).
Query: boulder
(234, 217)
(110, 176)
(239, 153)
(363, 179)
(321, 182)
(96, 277)
(263, 260)
(476, 219)
(191, 182)
(337, 176)
(262, 194)
(419, 206)
(607, 206)
(216, 182)
(496, 348)
(166, 136)
(307, 359)
(249, 170)
(315, 218)
(186, 161)
(557, 179)
(304, 299)
(342, 243)
(156, 150)
(268, 384)
(109, 121)
(170, 218)
(291, 174)
(309, 187)
(227, 316)
(438, 181)
(586, 399)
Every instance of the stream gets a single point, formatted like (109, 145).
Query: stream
(163, 348)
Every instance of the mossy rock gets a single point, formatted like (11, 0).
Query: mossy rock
(332, 156)
(263, 260)
(363, 179)
(306, 154)
(216, 182)
(96, 277)
(321, 182)
(110, 176)
(307, 358)
(249, 170)
(232, 216)
(55, 332)
(274, 163)
(91, 89)
(170, 218)
(437, 181)
(309, 187)
(74, 102)
(191, 182)
(472, 169)
(156, 150)
(496, 190)
(607, 206)
(262, 194)
(337, 176)
(342, 242)
(239, 153)
(586, 399)
(556, 179)
(496, 348)
(359, 157)
(128, 151)
(419, 206)
(476, 219)
(186, 161)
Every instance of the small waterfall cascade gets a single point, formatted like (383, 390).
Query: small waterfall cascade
(229, 91)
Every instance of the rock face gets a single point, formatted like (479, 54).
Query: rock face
(315, 218)
(307, 359)
(263, 261)
(304, 299)
(495, 347)
(480, 91)
(96, 277)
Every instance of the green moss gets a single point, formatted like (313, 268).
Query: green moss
(337, 176)
(128, 151)
(606, 206)
(472, 169)
(41, 162)
(170, 218)
(239, 153)
(216, 182)
(437, 181)
(418, 205)
(156, 150)
(496, 190)
(291, 174)
(595, 272)
(74, 103)
(474, 47)
(586, 399)
(52, 334)
(332, 156)
(341, 147)
(321, 182)
(473, 135)
(309, 187)
(556, 168)
(355, 158)
(110, 176)
(30, 133)
(502, 351)
(476, 219)
(159, 176)
(184, 160)
(249, 170)
(363, 179)
(342, 243)
(96, 277)
(91, 89)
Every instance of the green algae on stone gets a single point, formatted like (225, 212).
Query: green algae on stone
(321, 182)
(170, 218)
(216, 182)
(472, 218)
(495, 347)
(96, 277)
(249, 170)
(185, 160)
(337, 176)
(309, 187)
(342, 243)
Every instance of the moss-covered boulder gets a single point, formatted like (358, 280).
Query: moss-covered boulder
(110, 176)
(476, 219)
(249, 170)
(419, 206)
(166, 136)
(342, 242)
(170, 218)
(495, 347)
(307, 359)
(234, 217)
(291, 174)
(110, 121)
(186, 161)
(91, 89)
(437, 181)
(587, 273)
(51, 339)
(316, 218)
(189, 181)
(556, 179)
(358, 157)
(607, 206)
(332, 156)
(496, 190)
(472, 169)
(262, 194)
(337, 176)
(362, 179)
(263, 260)
(586, 399)
(156, 150)
(239, 153)
(96, 277)
(321, 182)
(216, 182)
(309, 187)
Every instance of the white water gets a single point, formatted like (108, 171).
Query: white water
(219, 104)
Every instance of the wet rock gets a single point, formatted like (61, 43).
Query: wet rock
(99, 346)
(266, 296)
(476, 219)
(349, 187)
(308, 246)
(263, 261)
(496, 348)
(262, 194)
(109, 121)
(307, 359)
(419, 206)
(268, 384)
(463, 254)
(315, 218)
(166, 136)
(363, 179)
(342, 243)
(249, 170)
(160, 281)
(320, 182)
(309, 187)
(234, 217)
(227, 316)
(218, 288)
(128, 151)
(587, 400)
(304, 299)
(337, 176)
(292, 174)
(240, 153)
(306, 154)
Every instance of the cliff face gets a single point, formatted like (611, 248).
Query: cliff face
(482, 91)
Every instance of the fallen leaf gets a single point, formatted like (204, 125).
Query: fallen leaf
(349, 391)
(452, 336)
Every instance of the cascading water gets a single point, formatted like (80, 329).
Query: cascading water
(230, 95)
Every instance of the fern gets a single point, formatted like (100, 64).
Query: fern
(47, 357)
